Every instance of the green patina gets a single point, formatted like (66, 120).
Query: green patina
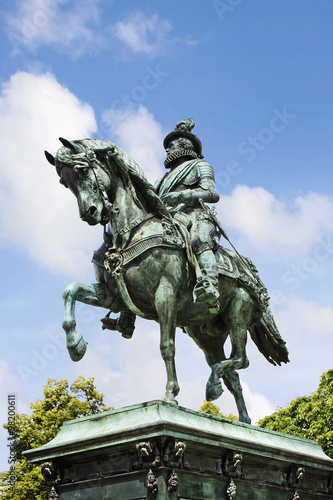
(161, 259)
(156, 451)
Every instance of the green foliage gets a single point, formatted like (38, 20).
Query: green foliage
(61, 402)
(308, 416)
(210, 408)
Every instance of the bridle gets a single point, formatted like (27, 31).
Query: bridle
(105, 200)
(87, 159)
(107, 205)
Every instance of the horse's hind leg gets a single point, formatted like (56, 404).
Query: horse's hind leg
(232, 382)
(211, 341)
(239, 319)
(212, 344)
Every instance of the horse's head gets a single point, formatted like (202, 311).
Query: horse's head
(86, 176)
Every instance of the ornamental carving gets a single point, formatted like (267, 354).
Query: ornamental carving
(173, 481)
(151, 483)
(53, 494)
(52, 477)
(231, 490)
(174, 453)
(148, 455)
(232, 464)
(295, 476)
(51, 474)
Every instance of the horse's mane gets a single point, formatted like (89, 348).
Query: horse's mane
(115, 160)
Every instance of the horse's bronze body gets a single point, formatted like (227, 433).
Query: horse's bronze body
(143, 266)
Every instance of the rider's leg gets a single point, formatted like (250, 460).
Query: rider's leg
(206, 290)
(203, 236)
(208, 267)
(110, 299)
(125, 323)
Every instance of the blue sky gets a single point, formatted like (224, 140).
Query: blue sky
(256, 76)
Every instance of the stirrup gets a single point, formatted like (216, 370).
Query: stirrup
(123, 324)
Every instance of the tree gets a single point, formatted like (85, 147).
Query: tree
(308, 416)
(210, 408)
(61, 402)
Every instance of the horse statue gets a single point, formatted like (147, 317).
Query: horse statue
(145, 267)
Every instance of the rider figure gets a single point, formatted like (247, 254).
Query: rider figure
(188, 184)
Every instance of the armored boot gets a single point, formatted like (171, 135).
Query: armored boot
(123, 324)
(206, 290)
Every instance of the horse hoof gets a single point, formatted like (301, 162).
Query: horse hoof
(244, 419)
(170, 399)
(78, 351)
(172, 402)
(213, 391)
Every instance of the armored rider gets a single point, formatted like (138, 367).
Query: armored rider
(184, 189)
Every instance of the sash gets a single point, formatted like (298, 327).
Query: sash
(176, 175)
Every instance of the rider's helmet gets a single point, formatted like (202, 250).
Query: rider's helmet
(183, 129)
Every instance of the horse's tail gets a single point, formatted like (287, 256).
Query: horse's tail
(267, 338)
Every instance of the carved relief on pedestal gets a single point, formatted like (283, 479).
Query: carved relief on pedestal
(294, 478)
(148, 455)
(151, 483)
(174, 453)
(52, 477)
(173, 481)
(232, 464)
(231, 490)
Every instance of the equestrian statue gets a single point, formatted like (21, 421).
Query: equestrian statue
(161, 260)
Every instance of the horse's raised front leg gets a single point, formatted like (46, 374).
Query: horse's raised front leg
(95, 295)
(165, 302)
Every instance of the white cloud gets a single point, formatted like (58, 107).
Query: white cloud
(309, 323)
(140, 135)
(274, 226)
(142, 34)
(258, 405)
(77, 27)
(68, 26)
(36, 213)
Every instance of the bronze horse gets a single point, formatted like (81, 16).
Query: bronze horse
(144, 266)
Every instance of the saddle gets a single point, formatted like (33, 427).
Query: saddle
(230, 263)
(243, 270)
(175, 234)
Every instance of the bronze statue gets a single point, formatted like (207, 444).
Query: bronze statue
(146, 265)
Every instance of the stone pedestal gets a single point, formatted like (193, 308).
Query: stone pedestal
(156, 451)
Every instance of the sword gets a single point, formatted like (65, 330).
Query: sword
(212, 215)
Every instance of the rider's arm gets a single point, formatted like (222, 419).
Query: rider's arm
(205, 188)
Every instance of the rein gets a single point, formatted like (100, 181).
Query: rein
(106, 203)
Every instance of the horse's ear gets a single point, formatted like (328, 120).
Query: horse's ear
(50, 158)
(70, 145)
